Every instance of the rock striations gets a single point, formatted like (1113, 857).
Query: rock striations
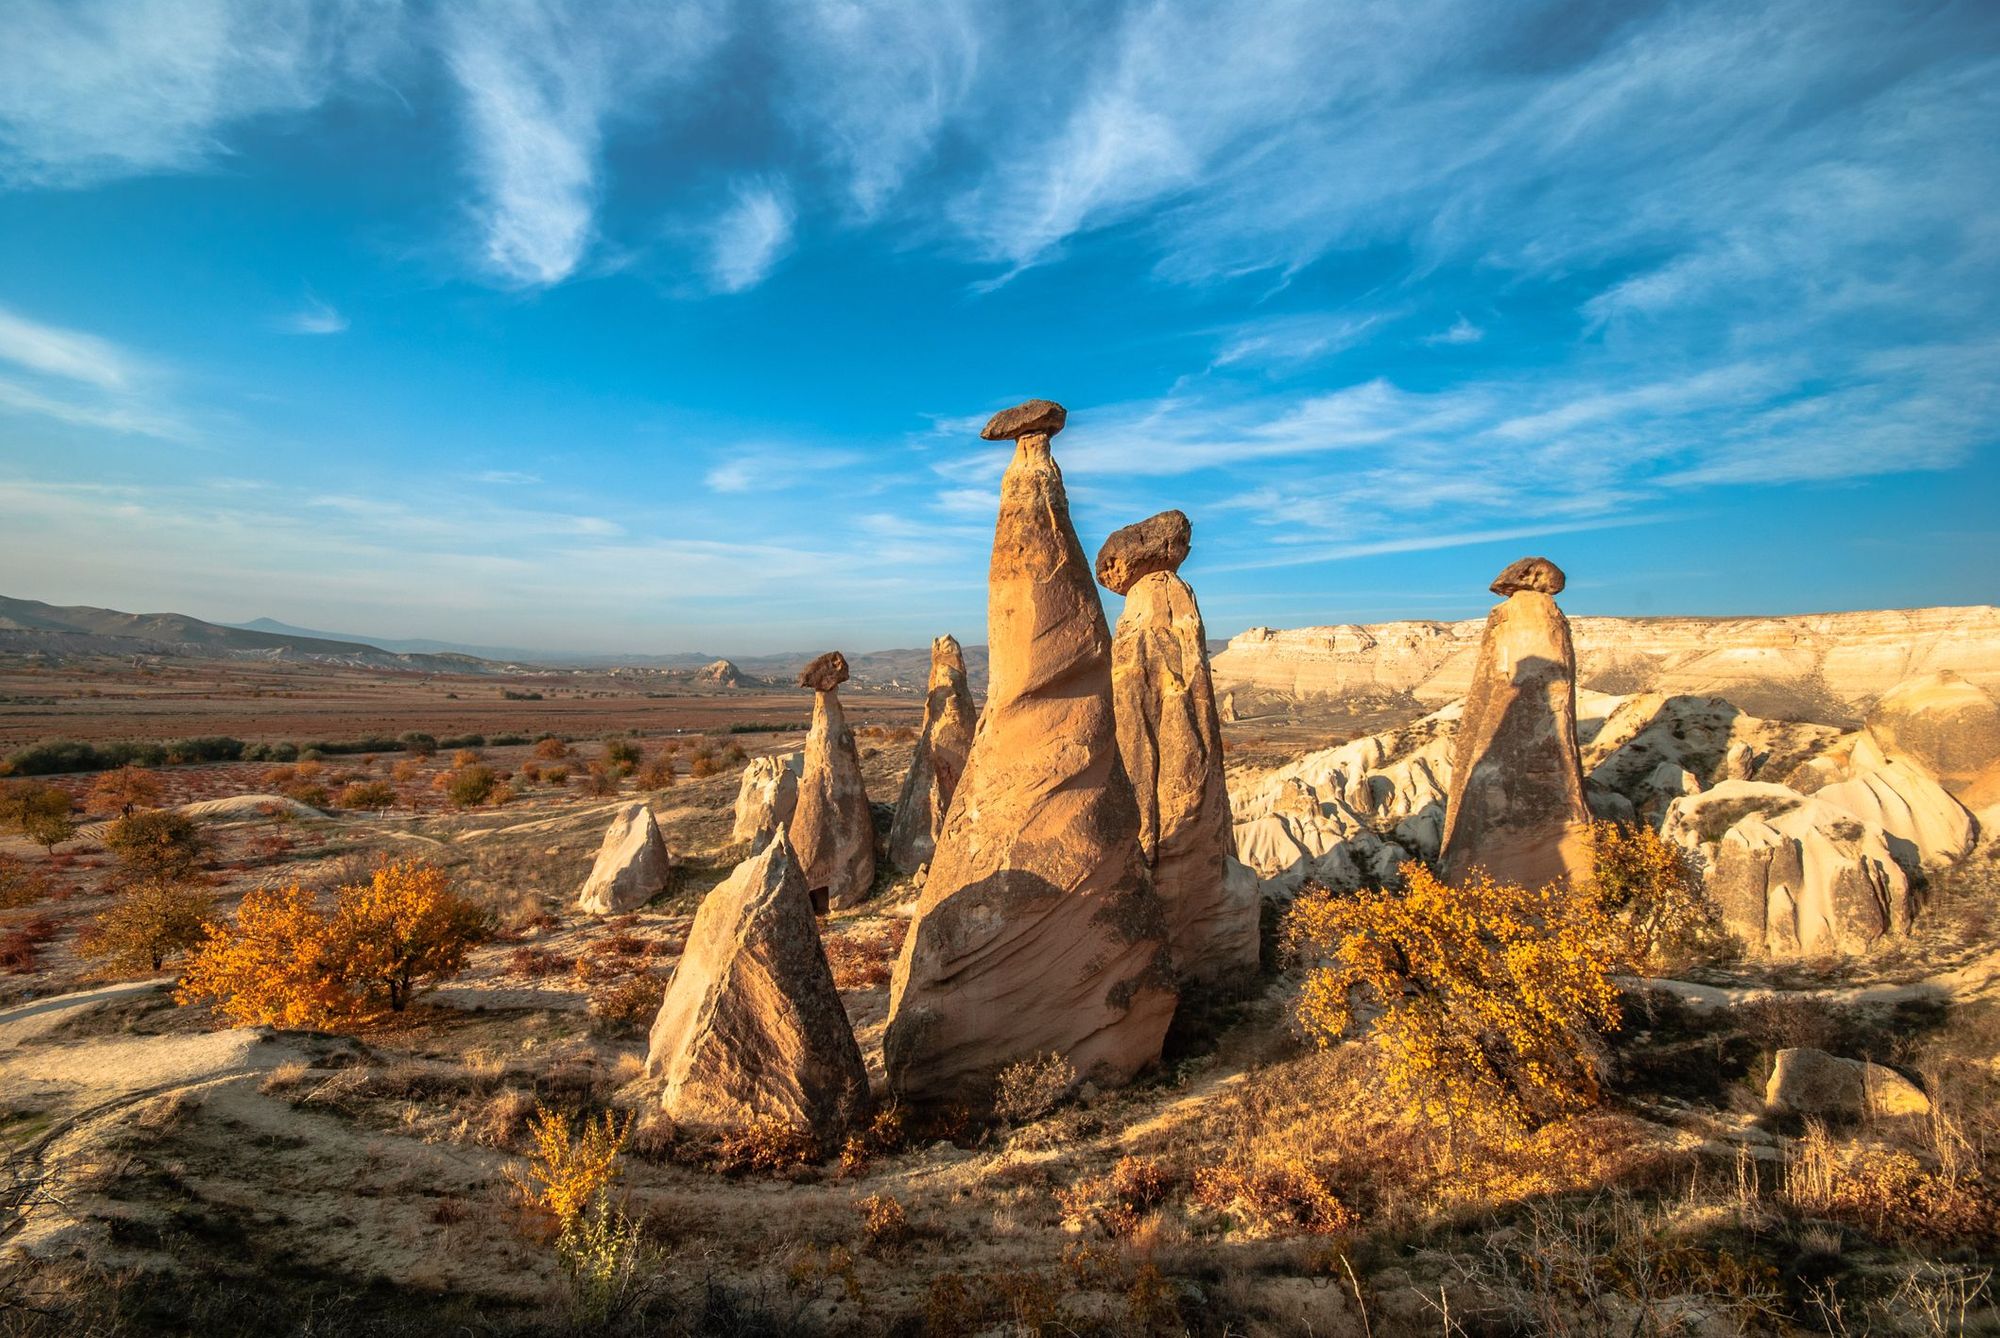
(1516, 807)
(751, 1026)
(632, 864)
(766, 799)
(1038, 930)
(949, 718)
(1170, 739)
(833, 829)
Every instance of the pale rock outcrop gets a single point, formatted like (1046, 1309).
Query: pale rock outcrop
(1928, 829)
(751, 1026)
(766, 798)
(833, 829)
(1805, 1081)
(1517, 808)
(632, 864)
(1790, 874)
(1170, 738)
(721, 673)
(949, 718)
(1948, 727)
(1038, 929)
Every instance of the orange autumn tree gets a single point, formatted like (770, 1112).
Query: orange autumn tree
(287, 963)
(1654, 889)
(119, 792)
(1491, 995)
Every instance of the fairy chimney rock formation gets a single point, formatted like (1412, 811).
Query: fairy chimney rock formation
(1170, 739)
(833, 830)
(751, 1026)
(632, 864)
(1038, 930)
(949, 717)
(1516, 807)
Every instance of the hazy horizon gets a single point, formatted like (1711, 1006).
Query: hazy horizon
(664, 330)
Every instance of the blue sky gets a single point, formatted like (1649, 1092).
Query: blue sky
(664, 327)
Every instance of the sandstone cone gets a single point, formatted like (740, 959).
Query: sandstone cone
(766, 799)
(632, 864)
(1038, 930)
(1170, 739)
(1517, 807)
(833, 830)
(1947, 726)
(752, 1025)
(949, 717)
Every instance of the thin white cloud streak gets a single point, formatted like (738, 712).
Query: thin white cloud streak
(97, 89)
(316, 318)
(539, 81)
(1461, 331)
(749, 237)
(1423, 543)
(109, 417)
(753, 468)
(69, 354)
(82, 380)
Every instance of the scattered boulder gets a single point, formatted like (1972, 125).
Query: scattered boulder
(1948, 727)
(949, 718)
(751, 1026)
(1517, 808)
(632, 864)
(1812, 1082)
(832, 828)
(1170, 739)
(1038, 930)
(767, 798)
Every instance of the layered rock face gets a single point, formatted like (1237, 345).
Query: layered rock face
(1038, 930)
(767, 798)
(1170, 739)
(632, 864)
(949, 718)
(832, 829)
(1517, 806)
(1760, 664)
(1948, 727)
(752, 1026)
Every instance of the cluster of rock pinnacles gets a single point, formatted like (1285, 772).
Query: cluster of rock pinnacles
(1075, 836)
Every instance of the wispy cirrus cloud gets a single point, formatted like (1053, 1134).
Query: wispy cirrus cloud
(82, 380)
(750, 236)
(71, 355)
(316, 317)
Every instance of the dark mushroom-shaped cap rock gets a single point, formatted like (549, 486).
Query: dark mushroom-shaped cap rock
(1035, 418)
(1157, 543)
(1530, 573)
(826, 673)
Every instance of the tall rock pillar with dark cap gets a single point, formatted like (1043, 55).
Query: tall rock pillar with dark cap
(833, 830)
(939, 761)
(1517, 807)
(1038, 930)
(1170, 738)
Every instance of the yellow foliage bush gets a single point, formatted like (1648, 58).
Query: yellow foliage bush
(403, 927)
(1276, 1195)
(153, 921)
(1654, 889)
(1491, 994)
(573, 1162)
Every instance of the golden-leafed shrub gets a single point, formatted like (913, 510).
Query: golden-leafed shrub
(884, 1221)
(1888, 1191)
(152, 922)
(658, 774)
(469, 785)
(551, 749)
(123, 790)
(368, 795)
(1654, 889)
(767, 1145)
(402, 928)
(1280, 1194)
(278, 963)
(157, 843)
(572, 1163)
(1491, 994)
(1030, 1088)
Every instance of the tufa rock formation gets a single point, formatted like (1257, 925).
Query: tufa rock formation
(1517, 806)
(751, 1025)
(767, 798)
(1805, 1081)
(833, 830)
(1948, 727)
(1038, 930)
(949, 717)
(1170, 739)
(632, 864)
(721, 673)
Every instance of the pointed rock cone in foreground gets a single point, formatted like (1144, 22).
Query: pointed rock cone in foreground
(1517, 807)
(632, 864)
(1038, 930)
(752, 1025)
(949, 717)
(1170, 737)
(833, 829)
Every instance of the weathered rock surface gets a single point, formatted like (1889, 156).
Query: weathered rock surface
(1768, 667)
(1790, 874)
(752, 1026)
(832, 828)
(1948, 727)
(949, 718)
(632, 864)
(767, 798)
(1038, 930)
(1805, 1081)
(1170, 739)
(1155, 544)
(1928, 829)
(721, 673)
(1517, 808)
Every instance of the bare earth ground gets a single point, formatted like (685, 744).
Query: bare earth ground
(195, 1178)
